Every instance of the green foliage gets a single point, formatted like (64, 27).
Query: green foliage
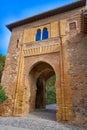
(50, 91)
(2, 63)
(3, 96)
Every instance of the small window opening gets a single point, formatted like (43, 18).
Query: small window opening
(38, 35)
(72, 26)
(44, 34)
(17, 43)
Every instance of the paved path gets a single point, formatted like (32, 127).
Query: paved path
(11, 128)
(38, 120)
(51, 107)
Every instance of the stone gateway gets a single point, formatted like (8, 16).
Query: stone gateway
(51, 43)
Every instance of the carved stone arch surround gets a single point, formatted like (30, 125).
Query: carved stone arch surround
(53, 60)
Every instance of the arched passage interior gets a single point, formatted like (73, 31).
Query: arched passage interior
(40, 73)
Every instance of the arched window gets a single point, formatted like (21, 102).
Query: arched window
(45, 34)
(38, 35)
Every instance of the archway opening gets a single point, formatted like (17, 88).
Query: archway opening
(43, 89)
(45, 93)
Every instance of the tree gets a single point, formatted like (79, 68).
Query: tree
(2, 63)
(50, 91)
(3, 96)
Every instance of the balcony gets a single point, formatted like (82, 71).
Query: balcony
(41, 47)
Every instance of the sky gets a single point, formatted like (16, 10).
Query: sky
(14, 10)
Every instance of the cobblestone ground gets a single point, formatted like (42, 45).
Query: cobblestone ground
(38, 120)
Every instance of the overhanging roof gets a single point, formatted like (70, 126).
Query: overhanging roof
(49, 13)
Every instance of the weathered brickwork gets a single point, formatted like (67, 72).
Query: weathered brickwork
(77, 53)
(9, 79)
(30, 63)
